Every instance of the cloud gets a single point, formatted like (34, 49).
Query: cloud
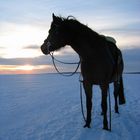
(21, 40)
(42, 60)
(2, 47)
(63, 55)
(131, 61)
(32, 47)
(19, 35)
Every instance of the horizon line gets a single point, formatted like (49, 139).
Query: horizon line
(133, 72)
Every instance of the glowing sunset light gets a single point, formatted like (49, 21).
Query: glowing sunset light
(15, 67)
(24, 69)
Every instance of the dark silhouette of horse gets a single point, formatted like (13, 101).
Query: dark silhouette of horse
(101, 60)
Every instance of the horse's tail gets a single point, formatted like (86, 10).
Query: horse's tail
(120, 66)
(121, 92)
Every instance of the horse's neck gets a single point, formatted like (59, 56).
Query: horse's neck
(85, 42)
(90, 51)
(84, 49)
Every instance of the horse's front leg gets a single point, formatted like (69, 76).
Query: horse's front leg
(88, 92)
(104, 89)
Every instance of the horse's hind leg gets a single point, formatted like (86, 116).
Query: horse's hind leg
(116, 90)
(104, 89)
(88, 92)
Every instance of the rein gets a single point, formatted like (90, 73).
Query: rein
(70, 74)
(67, 74)
(109, 100)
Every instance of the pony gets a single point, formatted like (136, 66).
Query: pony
(101, 60)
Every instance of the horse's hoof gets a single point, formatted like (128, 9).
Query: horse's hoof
(117, 112)
(121, 102)
(87, 125)
(105, 128)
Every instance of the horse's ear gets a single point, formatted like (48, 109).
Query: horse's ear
(56, 20)
(54, 17)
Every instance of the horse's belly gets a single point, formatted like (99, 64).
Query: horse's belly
(96, 73)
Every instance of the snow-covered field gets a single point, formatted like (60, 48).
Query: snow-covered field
(47, 107)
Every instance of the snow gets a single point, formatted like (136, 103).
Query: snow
(47, 107)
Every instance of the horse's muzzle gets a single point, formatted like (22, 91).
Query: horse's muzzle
(45, 48)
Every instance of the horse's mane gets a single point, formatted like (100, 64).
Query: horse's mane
(79, 26)
(77, 29)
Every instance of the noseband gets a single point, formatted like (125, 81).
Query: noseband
(48, 47)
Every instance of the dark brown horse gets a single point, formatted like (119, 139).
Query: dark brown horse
(101, 60)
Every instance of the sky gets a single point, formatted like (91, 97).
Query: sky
(24, 26)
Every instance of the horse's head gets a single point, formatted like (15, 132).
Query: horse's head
(56, 38)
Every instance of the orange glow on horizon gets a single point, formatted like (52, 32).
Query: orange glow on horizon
(24, 69)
